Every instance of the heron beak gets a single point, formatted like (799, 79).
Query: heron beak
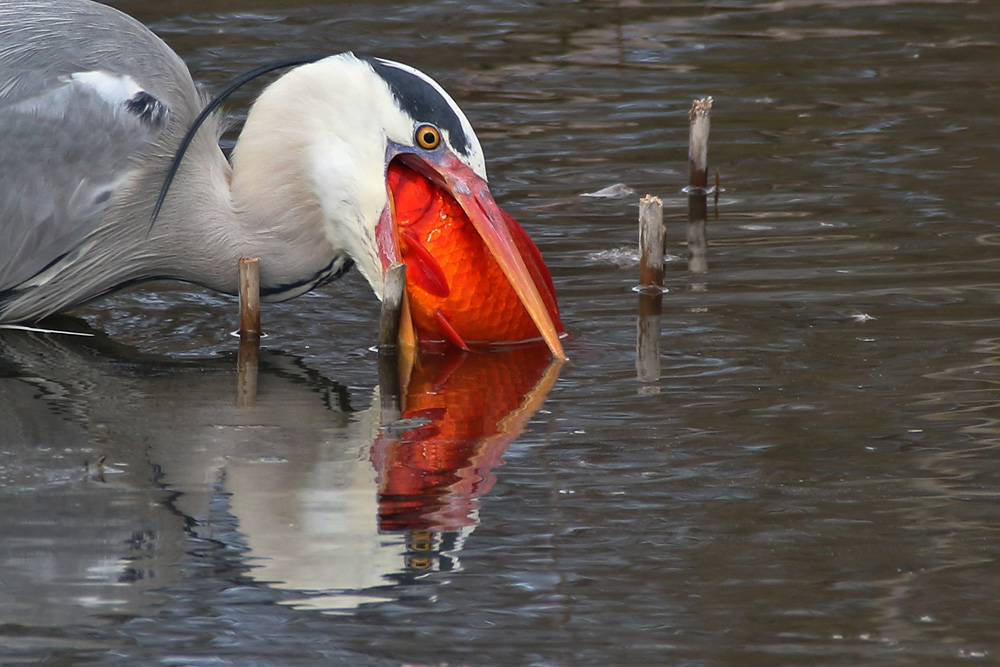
(474, 278)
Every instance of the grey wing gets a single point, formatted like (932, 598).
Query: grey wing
(89, 100)
(66, 152)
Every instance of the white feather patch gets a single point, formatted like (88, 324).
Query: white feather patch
(113, 88)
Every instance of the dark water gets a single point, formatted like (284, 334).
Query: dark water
(813, 479)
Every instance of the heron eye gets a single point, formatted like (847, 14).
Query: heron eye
(428, 137)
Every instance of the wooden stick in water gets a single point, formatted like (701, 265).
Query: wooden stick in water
(389, 348)
(647, 361)
(698, 142)
(249, 297)
(246, 364)
(698, 185)
(393, 291)
(650, 242)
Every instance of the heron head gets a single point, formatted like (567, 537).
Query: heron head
(399, 176)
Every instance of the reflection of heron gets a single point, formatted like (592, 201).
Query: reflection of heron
(341, 524)
(312, 483)
(342, 161)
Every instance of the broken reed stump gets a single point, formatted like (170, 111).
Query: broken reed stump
(393, 292)
(249, 297)
(698, 185)
(246, 364)
(389, 349)
(647, 344)
(650, 242)
(698, 143)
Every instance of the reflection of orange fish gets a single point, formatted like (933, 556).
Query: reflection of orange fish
(474, 406)
(456, 287)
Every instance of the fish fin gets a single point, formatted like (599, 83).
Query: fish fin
(422, 268)
(449, 331)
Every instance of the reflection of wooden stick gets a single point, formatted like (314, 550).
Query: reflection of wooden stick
(390, 393)
(697, 241)
(698, 185)
(246, 371)
(249, 297)
(650, 242)
(647, 343)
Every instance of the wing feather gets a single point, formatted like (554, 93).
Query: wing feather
(65, 154)
(92, 105)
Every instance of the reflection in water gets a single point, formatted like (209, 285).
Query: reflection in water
(647, 346)
(328, 501)
(466, 410)
(970, 405)
(808, 487)
(387, 501)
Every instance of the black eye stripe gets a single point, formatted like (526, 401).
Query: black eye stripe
(422, 101)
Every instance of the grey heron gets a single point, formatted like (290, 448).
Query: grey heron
(345, 161)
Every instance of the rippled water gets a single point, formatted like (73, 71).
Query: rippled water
(813, 479)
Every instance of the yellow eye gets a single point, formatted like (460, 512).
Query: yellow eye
(428, 137)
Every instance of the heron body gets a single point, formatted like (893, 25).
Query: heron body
(93, 108)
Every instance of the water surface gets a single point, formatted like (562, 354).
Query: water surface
(813, 478)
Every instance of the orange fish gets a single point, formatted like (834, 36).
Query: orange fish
(473, 277)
